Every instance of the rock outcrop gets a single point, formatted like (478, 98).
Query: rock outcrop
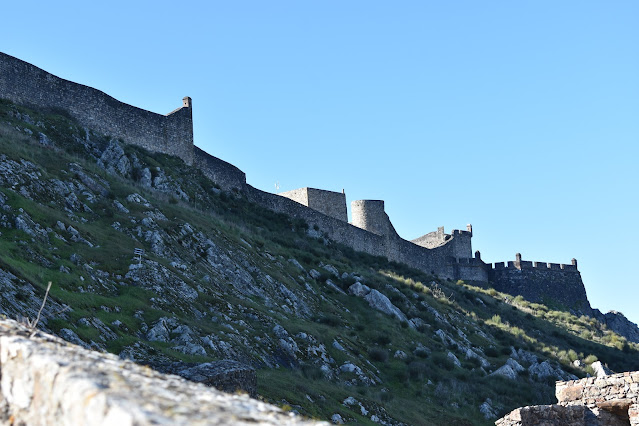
(617, 322)
(46, 380)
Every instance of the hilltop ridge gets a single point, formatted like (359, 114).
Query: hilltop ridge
(332, 332)
(371, 231)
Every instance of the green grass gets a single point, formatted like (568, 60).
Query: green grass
(232, 222)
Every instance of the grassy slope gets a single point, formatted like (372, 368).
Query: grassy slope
(453, 395)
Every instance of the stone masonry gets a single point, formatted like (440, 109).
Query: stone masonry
(330, 203)
(542, 282)
(47, 381)
(608, 400)
(172, 134)
(447, 255)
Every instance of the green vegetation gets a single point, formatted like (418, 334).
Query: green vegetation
(424, 385)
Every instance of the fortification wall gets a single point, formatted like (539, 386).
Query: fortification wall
(335, 229)
(26, 84)
(542, 282)
(371, 216)
(432, 239)
(330, 203)
(226, 175)
(389, 245)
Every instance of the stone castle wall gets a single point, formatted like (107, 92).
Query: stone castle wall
(449, 256)
(172, 134)
(385, 242)
(542, 282)
(330, 203)
(226, 175)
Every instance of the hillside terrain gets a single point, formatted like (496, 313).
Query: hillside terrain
(333, 334)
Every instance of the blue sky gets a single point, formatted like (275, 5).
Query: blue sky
(518, 117)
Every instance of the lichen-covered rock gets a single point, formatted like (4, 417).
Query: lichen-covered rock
(378, 301)
(90, 388)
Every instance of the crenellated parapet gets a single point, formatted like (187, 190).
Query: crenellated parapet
(544, 282)
(526, 264)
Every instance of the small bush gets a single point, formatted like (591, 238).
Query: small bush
(378, 354)
(417, 370)
(330, 320)
(442, 361)
(382, 339)
(590, 359)
(421, 352)
(491, 352)
(312, 372)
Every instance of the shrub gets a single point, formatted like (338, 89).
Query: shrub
(378, 354)
(442, 361)
(417, 370)
(330, 320)
(590, 359)
(312, 372)
(421, 352)
(491, 352)
(382, 339)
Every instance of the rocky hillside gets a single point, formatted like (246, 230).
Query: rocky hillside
(333, 334)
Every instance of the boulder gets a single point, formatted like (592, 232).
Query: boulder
(378, 301)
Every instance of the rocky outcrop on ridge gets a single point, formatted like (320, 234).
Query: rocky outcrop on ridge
(46, 380)
(617, 322)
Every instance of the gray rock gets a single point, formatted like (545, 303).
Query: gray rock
(509, 370)
(359, 289)
(487, 410)
(114, 160)
(159, 332)
(400, 355)
(90, 388)
(44, 139)
(600, 369)
(338, 346)
(543, 370)
(225, 375)
(331, 269)
(380, 302)
(617, 322)
(146, 179)
(297, 264)
(451, 356)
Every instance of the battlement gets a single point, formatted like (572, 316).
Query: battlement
(526, 264)
(541, 282)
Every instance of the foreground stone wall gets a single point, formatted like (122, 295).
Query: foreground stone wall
(609, 400)
(47, 381)
(26, 84)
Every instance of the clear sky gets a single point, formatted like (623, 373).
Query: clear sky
(521, 118)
